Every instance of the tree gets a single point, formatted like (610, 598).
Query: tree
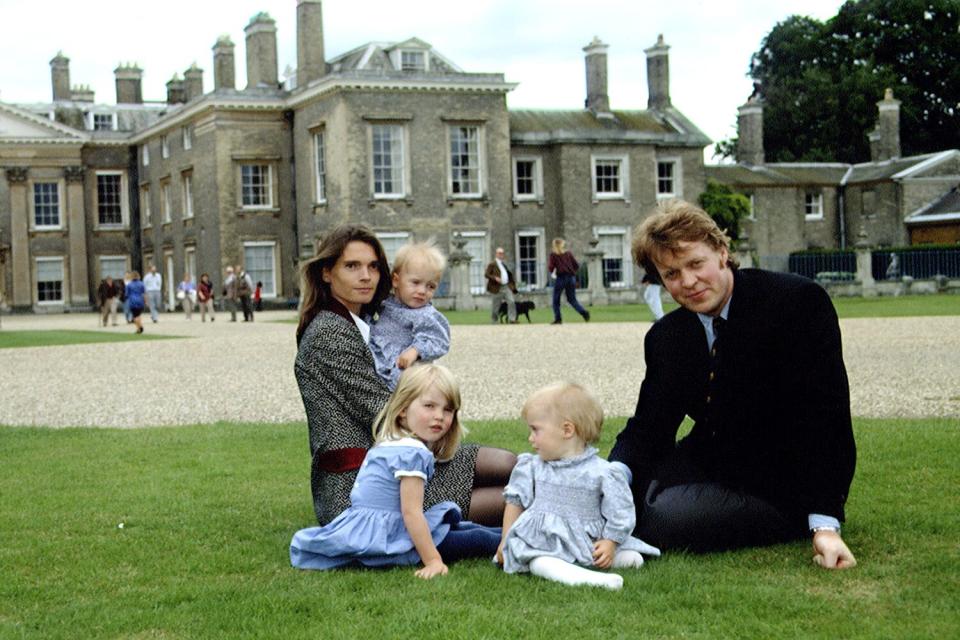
(820, 82)
(725, 206)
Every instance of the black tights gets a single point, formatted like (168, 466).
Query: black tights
(491, 474)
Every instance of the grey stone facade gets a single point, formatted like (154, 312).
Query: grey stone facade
(394, 135)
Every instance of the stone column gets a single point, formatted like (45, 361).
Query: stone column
(864, 267)
(22, 294)
(598, 293)
(460, 276)
(77, 234)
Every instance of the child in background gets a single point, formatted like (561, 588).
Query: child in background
(567, 508)
(257, 302)
(385, 524)
(409, 327)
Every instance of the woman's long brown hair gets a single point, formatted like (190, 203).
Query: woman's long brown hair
(316, 292)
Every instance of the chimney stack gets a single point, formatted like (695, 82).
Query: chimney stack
(311, 63)
(82, 93)
(658, 75)
(223, 67)
(176, 93)
(750, 132)
(129, 84)
(60, 76)
(261, 51)
(596, 62)
(193, 82)
(885, 138)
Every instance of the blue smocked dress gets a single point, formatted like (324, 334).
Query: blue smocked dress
(568, 505)
(371, 531)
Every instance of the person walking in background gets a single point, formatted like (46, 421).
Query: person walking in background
(187, 294)
(230, 293)
(107, 294)
(651, 294)
(501, 285)
(123, 297)
(133, 293)
(205, 298)
(153, 283)
(564, 267)
(257, 300)
(244, 293)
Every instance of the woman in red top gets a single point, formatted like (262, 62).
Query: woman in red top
(564, 267)
(205, 297)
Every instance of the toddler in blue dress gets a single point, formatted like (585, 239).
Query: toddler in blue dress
(385, 524)
(409, 328)
(567, 508)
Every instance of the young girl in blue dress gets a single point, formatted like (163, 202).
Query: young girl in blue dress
(567, 508)
(386, 524)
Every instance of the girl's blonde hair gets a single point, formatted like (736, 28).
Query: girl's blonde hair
(425, 252)
(414, 382)
(571, 403)
(558, 245)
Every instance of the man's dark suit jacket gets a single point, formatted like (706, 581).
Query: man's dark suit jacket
(778, 423)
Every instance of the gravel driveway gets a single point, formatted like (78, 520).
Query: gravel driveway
(898, 367)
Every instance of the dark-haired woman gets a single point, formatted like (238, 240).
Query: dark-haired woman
(343, 285)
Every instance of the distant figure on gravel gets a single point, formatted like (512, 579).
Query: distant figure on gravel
(564, 267)
(754, 358)
(107, 295)
(230, 293)
(568, 508)
(258, 297)
(342, 394)
(409, 327)
(205, 298)
(244, 293)
(502, 286)
(153, 283)
(134, 292)
(386, 523)
(187, 295)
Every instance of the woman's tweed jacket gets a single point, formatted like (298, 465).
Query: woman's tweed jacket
(342, 395)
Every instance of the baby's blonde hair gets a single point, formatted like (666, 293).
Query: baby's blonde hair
(425, 252)
(571, 403)
(413, 383)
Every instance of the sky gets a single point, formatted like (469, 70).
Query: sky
(535, 43)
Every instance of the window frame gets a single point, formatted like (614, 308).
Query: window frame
(626, 263)
(186, 194)
(406, 236)
(276, 266)
(319, 166)
(146, 209)
(92, 120)
(164, 146)
(481, 162)
(63, 280)
(186, 137)
(540, 265)
(676, 179)
(267, 188)
(166, 203)
(145, 154)
(403, 156)
(817, 200)
(115, 257)
(478, 261)
(536, 178)
(33, 206)
(413, 69)
(623, 177)
(122, 190)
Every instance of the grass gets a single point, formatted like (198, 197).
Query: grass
(208, 512)
(58, 338)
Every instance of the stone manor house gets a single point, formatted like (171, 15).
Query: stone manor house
(397, 136)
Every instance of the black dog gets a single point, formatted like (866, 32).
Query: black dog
(524, 307)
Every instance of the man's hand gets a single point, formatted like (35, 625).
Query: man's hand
(603, 552)
(830, 551)
(407, 358)
(432, 569)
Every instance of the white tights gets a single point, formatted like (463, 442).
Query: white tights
(564, 572)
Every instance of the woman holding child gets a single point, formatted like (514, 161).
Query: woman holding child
(344, 285)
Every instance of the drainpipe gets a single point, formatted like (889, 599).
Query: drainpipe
(288, 116)
(841, 218)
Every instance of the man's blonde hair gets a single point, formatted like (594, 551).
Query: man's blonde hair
(425, 252)
(414, 382)
(571, 403)
(673, 222)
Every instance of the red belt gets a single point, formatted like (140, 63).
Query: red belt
(340, 460)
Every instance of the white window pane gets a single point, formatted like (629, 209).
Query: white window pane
(113, 266)
(259, 263)
(46, 204)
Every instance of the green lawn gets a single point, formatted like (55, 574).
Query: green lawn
(208, 512)
(885, 307)
(13, 339)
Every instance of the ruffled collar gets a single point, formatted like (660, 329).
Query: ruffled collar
(589, 452)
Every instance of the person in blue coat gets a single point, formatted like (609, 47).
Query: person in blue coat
(134, 292)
